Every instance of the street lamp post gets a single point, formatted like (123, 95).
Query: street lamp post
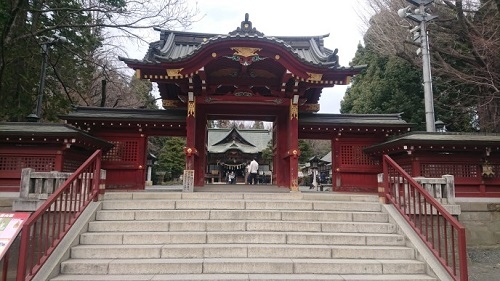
(41, 85)
(314, 165)
(49, 41)
(420, 16)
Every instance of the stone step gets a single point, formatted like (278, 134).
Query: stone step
(241, 225)
(239, 251)
(109, 196)
(245, 277)
(306, 238)
(139, 215)
(241, 236)
(241, 265)
(185, 204)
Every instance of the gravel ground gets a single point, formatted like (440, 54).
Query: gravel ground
(484, 264)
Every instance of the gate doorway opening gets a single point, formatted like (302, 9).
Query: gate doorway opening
(315, 164)
(232, 145)
(165, 160)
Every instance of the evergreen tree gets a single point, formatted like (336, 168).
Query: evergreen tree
(142, 91)
(305, 151)
(387, 85)
(267, 153)
(75, 67)
(172, 158)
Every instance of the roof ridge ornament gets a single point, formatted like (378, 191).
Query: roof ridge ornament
(246, 28)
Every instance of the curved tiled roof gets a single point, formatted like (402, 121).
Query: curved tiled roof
(175, 46)
(353, 119)
(252, 140)
(437, 141)
(115, 114)
(36, 133)
(170, 50)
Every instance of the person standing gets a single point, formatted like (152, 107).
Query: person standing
(254, 168)
(232, 178)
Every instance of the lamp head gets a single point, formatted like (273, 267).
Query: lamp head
(415, 29)
(403, 13)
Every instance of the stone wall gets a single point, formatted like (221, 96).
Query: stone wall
(482, 222)
(6, 204)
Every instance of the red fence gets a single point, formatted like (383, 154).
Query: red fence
(43, 231)
(439, 230)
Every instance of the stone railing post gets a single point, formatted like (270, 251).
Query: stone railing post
(450, 188)
(25, 182)
(102, 185)
(36, 187)
(381, 189)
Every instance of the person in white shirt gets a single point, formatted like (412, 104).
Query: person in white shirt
(231, 178)
(254, 168)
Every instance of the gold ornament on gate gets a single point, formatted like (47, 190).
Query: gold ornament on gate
(174, 72)
(294, 111)
(316, 77)
(245, 51)
(191, 108)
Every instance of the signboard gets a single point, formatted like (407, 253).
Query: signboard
(188, 181)
(10, 225)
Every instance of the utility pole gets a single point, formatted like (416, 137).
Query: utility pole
(420, 16)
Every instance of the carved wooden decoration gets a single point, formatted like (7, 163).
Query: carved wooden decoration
(176, 72)
(314, 76)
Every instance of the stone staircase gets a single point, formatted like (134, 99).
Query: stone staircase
(242, 236)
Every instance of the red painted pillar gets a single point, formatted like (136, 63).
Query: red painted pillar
(415, 166)
(142, 146)
(293, 147)
(59, 161)
(275, 154)
(190, 149)
(336, 159)
(281, 161)
(201, 147)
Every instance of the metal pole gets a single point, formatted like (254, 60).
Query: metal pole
(41, 86)
(426, 67)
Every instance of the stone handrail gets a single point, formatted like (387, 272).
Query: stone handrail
(442, 189)
(36, 187)
(39, 185)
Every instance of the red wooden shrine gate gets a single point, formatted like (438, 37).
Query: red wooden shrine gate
(243, 75)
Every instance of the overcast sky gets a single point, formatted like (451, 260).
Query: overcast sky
(290, 18)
